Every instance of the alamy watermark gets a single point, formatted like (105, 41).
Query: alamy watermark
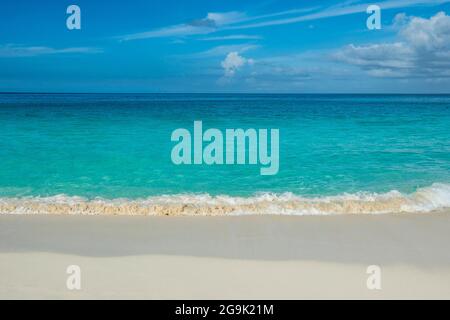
(73, 281)
(235, 146)
(374, 279)
(73, 21)
(374, 20)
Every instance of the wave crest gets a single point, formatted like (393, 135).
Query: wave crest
(434, 197)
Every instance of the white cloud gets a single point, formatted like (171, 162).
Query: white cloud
(12, 50)
(428, 34)
(340, 10)
(171, 31)
(232, 37)
(235, 20)
(223, 50)
(422, 50)
(210, 23)
(224, 18)
(233, 62)
(388, 55)
(400, 20)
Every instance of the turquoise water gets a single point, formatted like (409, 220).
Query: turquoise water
(118, 146)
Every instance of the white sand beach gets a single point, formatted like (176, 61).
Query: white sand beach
(245, 257)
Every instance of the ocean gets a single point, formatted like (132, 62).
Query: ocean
(111, 154)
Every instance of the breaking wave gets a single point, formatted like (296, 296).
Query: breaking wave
(434, 197)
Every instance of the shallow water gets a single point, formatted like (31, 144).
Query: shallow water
(107, 146)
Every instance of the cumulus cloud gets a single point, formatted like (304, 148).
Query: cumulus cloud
(422, 49)
(283, 73)
(428, 34)
(233, 62)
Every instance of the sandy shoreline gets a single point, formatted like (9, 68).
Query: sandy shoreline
(269, 257)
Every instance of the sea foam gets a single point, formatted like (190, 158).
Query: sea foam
(431, 198)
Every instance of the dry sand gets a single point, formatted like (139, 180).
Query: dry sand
(246, 257)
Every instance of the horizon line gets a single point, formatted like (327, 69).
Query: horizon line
(252, 93)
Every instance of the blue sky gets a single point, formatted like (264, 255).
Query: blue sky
(225, 46)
